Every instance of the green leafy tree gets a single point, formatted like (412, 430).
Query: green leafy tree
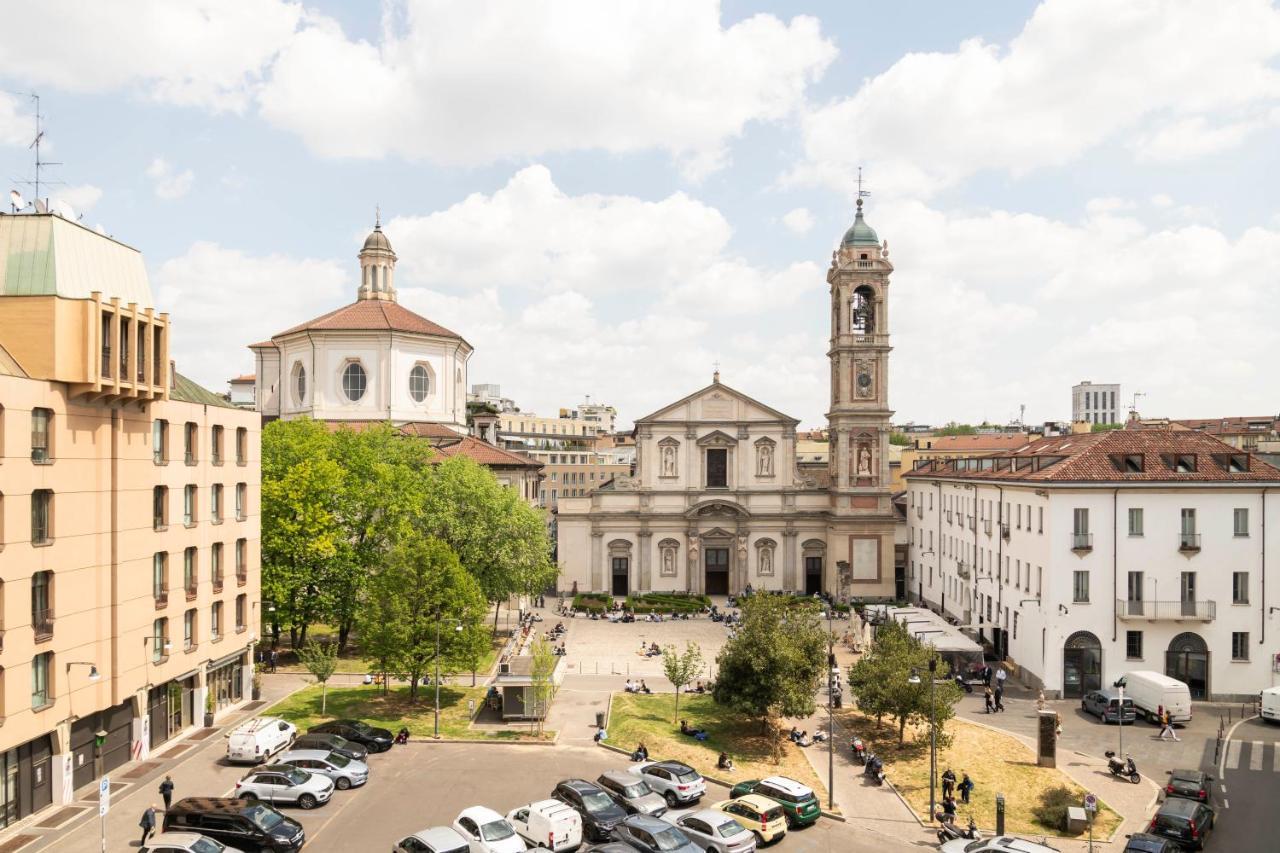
(542, 674)
(1105, 427)
(681, 668)
(421, 600)
(774, 665)
(881, 681)
(899, 438)
(954, 428)
(320, 659)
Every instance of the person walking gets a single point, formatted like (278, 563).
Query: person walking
(966, 785)
(275, 658)
(948, 782)
(166, 791)
(999, 697)
(986, 698)
(1001, 675)
(148, 822)
(1166, 725)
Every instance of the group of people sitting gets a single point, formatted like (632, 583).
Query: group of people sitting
(651, 650)
(696, 734)
(636, 686)
(801, 738)
(554, 636)
(641, 753)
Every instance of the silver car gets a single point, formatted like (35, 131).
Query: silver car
(437, 839)
(345, 772)
(277, 784)
(632, 794)
(717, 832)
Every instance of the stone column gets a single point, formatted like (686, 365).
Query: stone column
(789, 557)
(692, 473)
(644, 544)
(693, 561)
(597, 544)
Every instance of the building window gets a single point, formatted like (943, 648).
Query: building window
(159, 640)
(1080, 587)
(190, 436)
(1133, 645)
(1015, 624)
(215, 621)
(41, 517)
(1239, 645)
(299, 383)
(1040, 519)
(41, 687)
(215, 445)
(1241, 518)
(419, 383)
(354, 381)
(1080, 522)
(242, 493)
(1135, 521)
(215, 565)
(42, 604)
(242, 445)
(41, 450)
(215, 503)
(1188, 538)
(159, 441)
(1239, 587)
(717, 468)
(189, 630)
(189, 517)
(160, 577)
(241, 602)
(242, 567)
(190, 572)
(160, 507)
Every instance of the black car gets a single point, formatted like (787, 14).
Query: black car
(1141, 842)
(1190, 784)
(375, 740)
(600, 814)
(332, 743)
(1187, 822)
(236, 823)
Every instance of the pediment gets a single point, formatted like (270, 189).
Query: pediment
(718, 403)
(716, 507)
(717, 438)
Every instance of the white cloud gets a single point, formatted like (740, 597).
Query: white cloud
(1195, 136)
(81, 197)
(16, 126)
(798, 221)
(483, 81)
(207, 53)
(170, 184)
(1080, 73)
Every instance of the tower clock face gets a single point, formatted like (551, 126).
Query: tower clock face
(864, 383)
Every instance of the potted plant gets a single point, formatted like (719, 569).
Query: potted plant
(208, 709)
(256, 692)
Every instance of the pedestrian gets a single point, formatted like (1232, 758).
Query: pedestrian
(966, 785)
(1166, 725)
(1001, 675)
(986, 674)
(948, 782)
(166, 791)
(986, 697)
(275, 658)
(148, 822)
(949, 808)
(999, 696)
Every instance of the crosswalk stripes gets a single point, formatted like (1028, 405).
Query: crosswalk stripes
(1255, 755)
(1233, 755)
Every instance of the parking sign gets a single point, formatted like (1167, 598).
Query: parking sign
(104, 796)
(1090, 802)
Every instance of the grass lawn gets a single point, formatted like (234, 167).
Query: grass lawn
(396, 709)
(997, 763)
(350, 662)
(649, 718)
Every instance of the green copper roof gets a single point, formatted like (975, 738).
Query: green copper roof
(860, 233)
(188, 391)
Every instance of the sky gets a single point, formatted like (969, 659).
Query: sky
(608, 199)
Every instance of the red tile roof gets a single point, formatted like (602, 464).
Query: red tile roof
(373, 315)
(1101, 457)
(1232, 425)
(248, 377)
(978, 443)
(447, 442)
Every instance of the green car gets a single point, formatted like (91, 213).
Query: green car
(798, 801)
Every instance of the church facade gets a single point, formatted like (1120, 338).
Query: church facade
(718, 499)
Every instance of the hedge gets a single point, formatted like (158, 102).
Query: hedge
(667, 602)
(597, 601)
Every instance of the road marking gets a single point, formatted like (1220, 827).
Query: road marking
(1255, 755)
(1226, 805)
(1233, 755)
(1275, 757)
(1230, 732)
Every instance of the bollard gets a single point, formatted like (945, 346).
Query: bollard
(999, 814)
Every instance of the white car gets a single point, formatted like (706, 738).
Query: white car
(184, 842)
(254, 741)
(487, 831)
(276, 784)
(678, 783)
(999, 844)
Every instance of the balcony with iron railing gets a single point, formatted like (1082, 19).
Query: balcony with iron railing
(1190, 610)
(1004, 530)
(217, 581)
(242, 577)
(42, 624)
(192, 588)
(161, 597)
(1189, 542)
(1081, 541)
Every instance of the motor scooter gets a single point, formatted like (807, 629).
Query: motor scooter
(1124, 769)
(859, 750)
(949, 831)
(874, 770)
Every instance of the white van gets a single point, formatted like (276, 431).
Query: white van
(254, 741)
(550, 823)
(1151, 690)
(1271, 704)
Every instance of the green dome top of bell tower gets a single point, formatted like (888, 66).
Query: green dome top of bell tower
(860, 233)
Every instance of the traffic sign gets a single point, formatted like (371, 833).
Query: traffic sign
(1091, 802)
(104, 796)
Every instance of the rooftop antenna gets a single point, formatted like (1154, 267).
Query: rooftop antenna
(40, 163)
(1133, 405)
(16, 199)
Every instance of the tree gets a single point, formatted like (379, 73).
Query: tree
(954, 428)
(900, 439)
(681, 668)
(775, 663)
(542, 675)
(881, 684)
(422, 599)
(320, 659)
(1105, 427)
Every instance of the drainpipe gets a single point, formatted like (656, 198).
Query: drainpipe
(1263, 639)
(999, 573)
(1115, 564)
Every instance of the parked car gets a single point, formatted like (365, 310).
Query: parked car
(486, 831)
(1151, 690)
(184, 842)
(678, 783)
(632, 794)
(1190, 784)
(436, 839)
(999, 844)
(1187, 822)
(371, 738)
(553, 824)
(342, 771)
(1269, 704)
(717, 832)
(650, 835)
(600, 814)
(331, 743)
(1107, 707)
(759, 814)
(797, 800)
(256, 740)
(1141, 842)
(279, 784)
(228, 820)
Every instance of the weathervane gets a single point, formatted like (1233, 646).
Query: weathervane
(861, 192)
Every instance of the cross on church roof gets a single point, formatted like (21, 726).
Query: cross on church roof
(715, 377)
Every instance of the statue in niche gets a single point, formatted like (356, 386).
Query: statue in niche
(669, 461)
(742, 547)
(766, 460)
(766, 561)
(668, 561)
(864, 460)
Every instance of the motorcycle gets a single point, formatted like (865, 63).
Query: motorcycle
(1124, 769)
(949, 831)
(963, 685)
(859, 750)
(874, 770)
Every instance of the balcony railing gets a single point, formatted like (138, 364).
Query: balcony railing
(162, 598)
(242, 577)
(1188, 541)
(920, 512)
(973, 523)
(106, 362)
(42, 624)
(217, 582)
(1004, 530)
(1081, 541)
(1192, 610)
(192, 589)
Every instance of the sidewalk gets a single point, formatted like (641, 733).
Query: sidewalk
(75, 828)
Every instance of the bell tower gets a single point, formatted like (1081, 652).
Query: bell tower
(377, 266)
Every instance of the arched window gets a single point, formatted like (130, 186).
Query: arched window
(419, 383)
(354, 381)
(862, 319)
(299, 383)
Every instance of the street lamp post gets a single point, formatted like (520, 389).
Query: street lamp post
(933, 732)
(831, 717)
(456, 628)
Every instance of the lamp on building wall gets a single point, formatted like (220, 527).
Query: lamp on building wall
(94, 675)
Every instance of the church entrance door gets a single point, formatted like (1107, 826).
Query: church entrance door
(812, 575)
(717, 569)
(621, 575)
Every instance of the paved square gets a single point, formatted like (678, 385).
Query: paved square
(598, 647)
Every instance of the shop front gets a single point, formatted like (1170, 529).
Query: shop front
(26, 783)
(171, 707)
(225, 679)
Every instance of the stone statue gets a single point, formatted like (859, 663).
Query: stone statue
(864, 461)
(766, 460)
(693, 549)
(668, 561)
(766, 561)
(742, 547)
(669, 461)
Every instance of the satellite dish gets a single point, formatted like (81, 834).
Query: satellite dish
(16, 199)
(41, 207)
(66, 211)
